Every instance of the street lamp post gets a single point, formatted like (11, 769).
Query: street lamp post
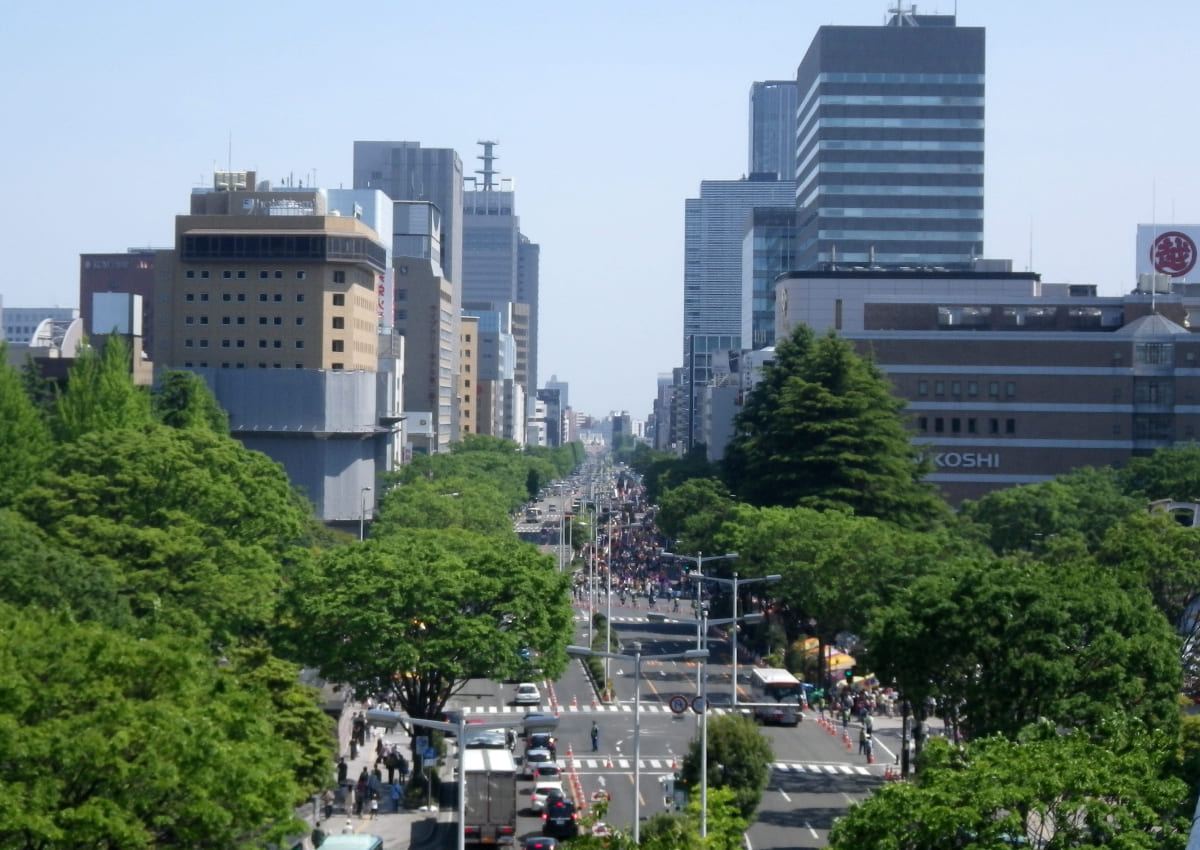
(362, 514)
(608, 591)
(636, 658)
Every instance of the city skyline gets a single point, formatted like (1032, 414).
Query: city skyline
(625, 111)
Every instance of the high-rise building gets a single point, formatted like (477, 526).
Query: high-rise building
(768, 250)
(889, 145)
(773, 128)
(131, 273)
(468, 374)
(715, 227)
(500, 264)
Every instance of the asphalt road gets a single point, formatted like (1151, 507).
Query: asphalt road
(814, 776)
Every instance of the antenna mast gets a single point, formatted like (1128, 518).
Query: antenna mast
(487, 158)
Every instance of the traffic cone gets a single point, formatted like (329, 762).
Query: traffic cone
(608, 763)
(870, 757)
(593, 700)
(574, 701)
(674, 763)
(846, 740)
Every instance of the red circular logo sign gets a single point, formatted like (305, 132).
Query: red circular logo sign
(1173, 253)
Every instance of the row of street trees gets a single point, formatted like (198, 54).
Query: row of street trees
(162, 585)
(1043, 622)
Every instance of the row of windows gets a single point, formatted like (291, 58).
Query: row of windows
(972, 387)
(283, 247)
(228, 297)
(960, 236)
(900, 212)
(898, 100)
(241, 320)
(240, 274)
(969, 425)
(203, 364)
(241, 343)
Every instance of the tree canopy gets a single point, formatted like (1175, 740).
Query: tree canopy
(739, 760)
(823, 430)
(416, 615)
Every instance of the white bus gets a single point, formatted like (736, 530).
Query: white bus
(776, 694)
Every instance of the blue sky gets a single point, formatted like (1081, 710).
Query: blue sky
(608, 116)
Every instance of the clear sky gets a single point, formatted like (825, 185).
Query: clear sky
(608, 116)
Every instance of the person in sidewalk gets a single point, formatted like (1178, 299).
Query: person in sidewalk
(595, 737)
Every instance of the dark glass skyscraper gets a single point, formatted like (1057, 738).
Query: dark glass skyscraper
(889, 145)
(773, 128)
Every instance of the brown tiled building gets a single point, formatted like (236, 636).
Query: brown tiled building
(1009, 380)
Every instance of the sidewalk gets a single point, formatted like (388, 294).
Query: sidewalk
(400, 830)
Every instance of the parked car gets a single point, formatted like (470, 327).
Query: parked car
(560, 819)
(528, 694)
(544, 792)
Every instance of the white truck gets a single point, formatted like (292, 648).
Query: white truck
(491, 796)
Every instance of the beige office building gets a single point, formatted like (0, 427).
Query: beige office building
(262, 280)
(469, 365)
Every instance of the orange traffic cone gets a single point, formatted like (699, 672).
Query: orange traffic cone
(574, 701)
(608, 762)
(674, 763)
(846, 740)
(593, 700)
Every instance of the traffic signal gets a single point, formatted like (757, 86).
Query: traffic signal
(849, 674)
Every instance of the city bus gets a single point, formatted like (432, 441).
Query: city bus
(776, 696)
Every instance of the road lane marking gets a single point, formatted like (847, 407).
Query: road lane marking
(811, 831)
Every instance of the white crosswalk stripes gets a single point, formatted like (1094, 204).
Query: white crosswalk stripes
(824, 769)
(651, 708)
(664, 763)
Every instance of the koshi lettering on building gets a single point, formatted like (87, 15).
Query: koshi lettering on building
(967, 460)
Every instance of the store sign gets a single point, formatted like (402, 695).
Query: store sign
(1167, 249)
(967, 460)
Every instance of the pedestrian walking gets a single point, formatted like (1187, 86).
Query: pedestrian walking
(595, 737)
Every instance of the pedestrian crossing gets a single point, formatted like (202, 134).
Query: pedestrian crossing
(612, 708)
(671, 764)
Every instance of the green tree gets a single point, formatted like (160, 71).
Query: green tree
(183, 400)
(1083, 504)
(1167, 474)
(415, 616)
(823, 430)
(694, 512)
(1049, 790)
(739, 760)
(25, 445)
(100, 394)
(1004, 643)
(40, 574)
(107, 740)
(445, 503)
(199, 528)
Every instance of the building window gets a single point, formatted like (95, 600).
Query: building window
(203, 364)
(262, 296)
(956, 388)
(241, 343)
(299, 365)
(204, 343)
(277, 344)
(339, 277)
(1010, 389)
(189, 297)
(922, 424)
(939, 425)
(1153, 353)
(972, 388)
(401, 295)
(337, 367)
(262, 275)
(401, 315)
(278, 296)
(190, 274)
(225, 296)
(225, 320)
(241, 296)
(299, 297)
(299, 343)
(956, 425)
(225, 343)
(1010, 426)
(189, 320)
(240, 366)
(203, 296)
(278, 320)
(262, 320)
(187, 364)
(922, 387)
(300, 275)
(227, 274)
(939, 387)
(225, 365)
(299, 321)
(262, 365)
(338, 323)
(187, 343)
(339, 300)
(993, 426)
(994, 389)
(278, 274)
(337, 345)
(468, 337)
(241, 320)
(204, 320)
(204, 274)
(241, 274)
(262, 343)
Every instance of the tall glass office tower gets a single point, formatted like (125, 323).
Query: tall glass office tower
(773, 128)
(889, 145)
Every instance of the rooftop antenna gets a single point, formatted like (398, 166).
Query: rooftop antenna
(488, 158)
(905, 17)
